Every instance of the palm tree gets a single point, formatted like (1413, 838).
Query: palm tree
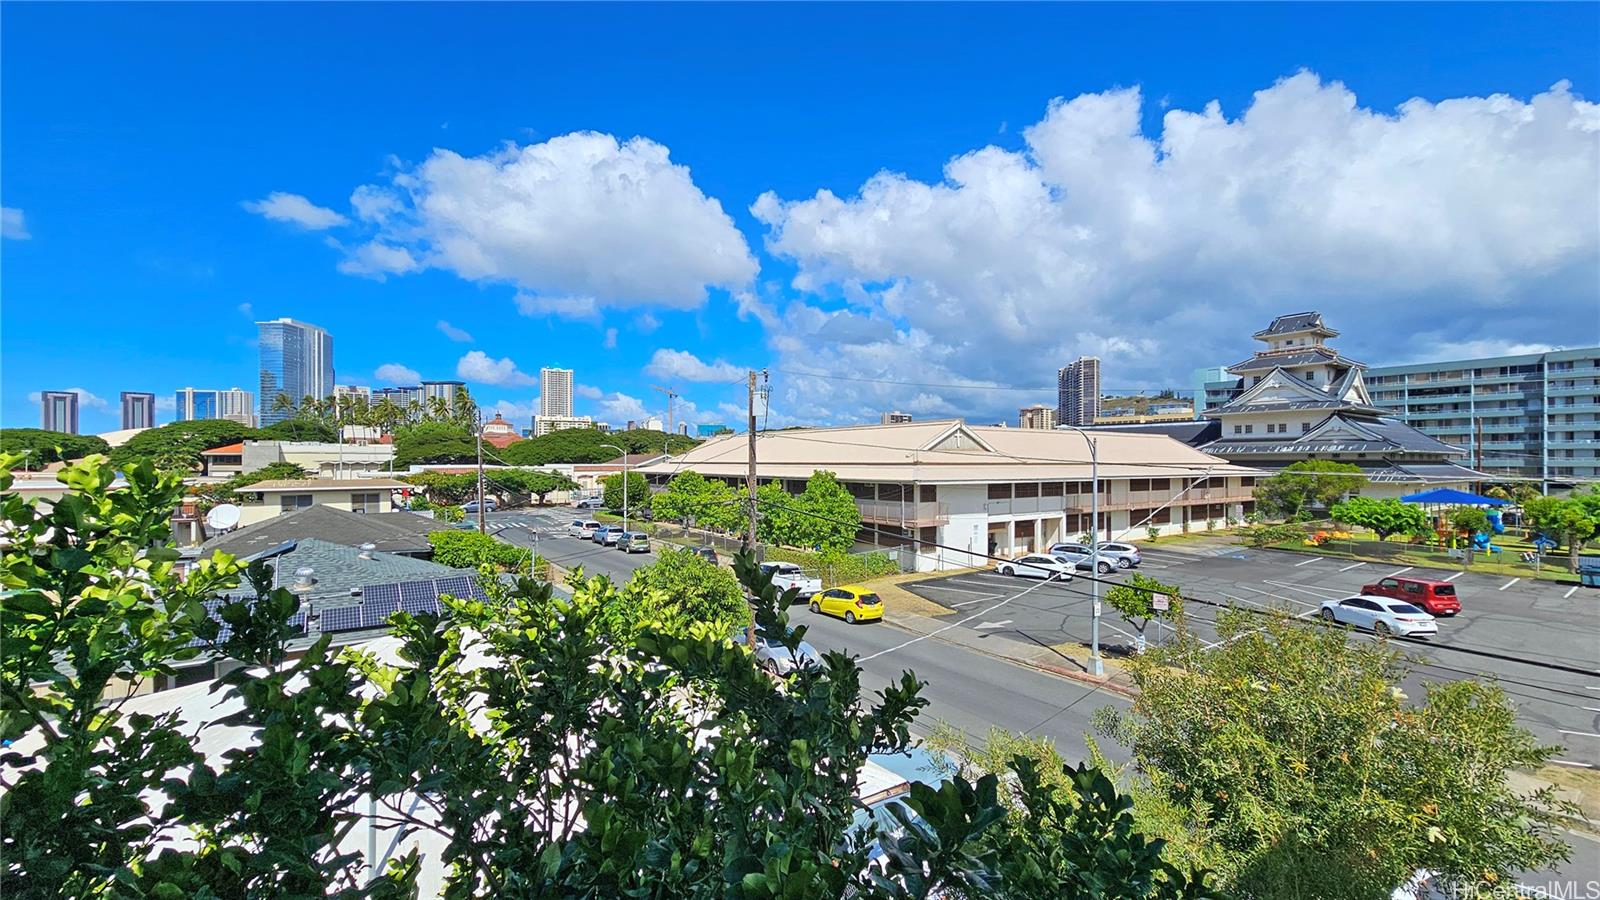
(414, 411)
(438, 409)
(388, 414)
(283, 403)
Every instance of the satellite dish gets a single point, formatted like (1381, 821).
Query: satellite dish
(222, 517)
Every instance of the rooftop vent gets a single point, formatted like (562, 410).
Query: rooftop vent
(366, 550)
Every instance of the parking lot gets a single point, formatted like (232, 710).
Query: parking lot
(1529, 621)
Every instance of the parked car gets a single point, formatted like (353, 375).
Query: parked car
(583, 529)
(608, 535)
(634, 542)
(1380, 615)
(1037, 565)
(853, 603)
(489, 505)
(1080, 557)
(1123, 556)
(1437, 597)
(775, 657)
(589, 503)
(709, 554)
(787, 575)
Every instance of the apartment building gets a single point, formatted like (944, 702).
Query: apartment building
(950, 493)
(233, 404)
(1078, 391)
(1533, 416)
(555, 394)
(138, 410)
(58, 411)
(1036, 416)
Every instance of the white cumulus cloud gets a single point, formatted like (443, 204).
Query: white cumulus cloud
(583, 218)
(681, 365)
(396, 374)
(13, 225)
(482, 368)
(453, 333)
(296, 210)
(1475, 220)
(610, 339)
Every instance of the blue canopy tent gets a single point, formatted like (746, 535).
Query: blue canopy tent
(1451, 497)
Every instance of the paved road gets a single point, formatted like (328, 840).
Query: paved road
(969, 690)
(1533, 621)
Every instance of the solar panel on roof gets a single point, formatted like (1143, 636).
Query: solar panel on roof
(455, 586)
(417, 590)
(478, 593)
(418, 605)
(341, 618)
(381, 592)
(297, 622)
(376, 612)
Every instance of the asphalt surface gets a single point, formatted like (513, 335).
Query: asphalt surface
(971, 691)
(1531, 621)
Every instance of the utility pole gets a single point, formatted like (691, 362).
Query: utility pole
(750, 477)
(1096, 666)
(483, 526)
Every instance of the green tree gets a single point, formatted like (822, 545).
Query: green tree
(38, 448)
(1573, 521)
(586, 445)
(638, 493)
(177, 446)
(1302, 486)
(460, 549)
(1384, 517)
(434, 442)
(228, 491)
(531, 484)
(553, 758)
(1285, 758)
(708, 503)
(299, 428)
(451, 489)
(1469, 520)
(1135, 599)
(822, 517)
(677, 592)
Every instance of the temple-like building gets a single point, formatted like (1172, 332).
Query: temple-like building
(1300, 399)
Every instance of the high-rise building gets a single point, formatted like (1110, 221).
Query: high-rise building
(1078, 391)
(233, 404)
(555, 393)
(543, 425)
(138, 410)
(442, 390)
(58, 411)
(296, 362)
(894, 418)
(1534, 415)
(1202, 381)
(353, 391)
(1036, 416)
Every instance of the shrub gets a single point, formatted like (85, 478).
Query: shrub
(470, 549)
(1267, 535)
(839, 568)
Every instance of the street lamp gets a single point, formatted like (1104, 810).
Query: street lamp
(1097, 667)
(624, 483)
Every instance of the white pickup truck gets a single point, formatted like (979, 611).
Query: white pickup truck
(787, 575)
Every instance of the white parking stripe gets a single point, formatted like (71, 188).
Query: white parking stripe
(1455, 576)
(1399, 571)
(1580, 733)
(974, 600)
(1508, 584)
(1591, 709)
(940, 587)
(1570, 591)
(1568, 762)
(1356, 566)
(1308, 562)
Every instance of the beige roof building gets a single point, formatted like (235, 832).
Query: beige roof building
(973, 487)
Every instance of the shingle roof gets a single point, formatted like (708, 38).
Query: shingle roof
(1293, 322)
(336, 569)
(398, 532)
(1194, 433)
(1303, 356)
(1367, 434)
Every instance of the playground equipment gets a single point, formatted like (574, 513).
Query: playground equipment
(1495, 523)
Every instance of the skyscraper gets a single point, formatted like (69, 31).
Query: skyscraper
(296, 361)
(232, 404)
(138, 410)
(1078, 391)
(58, 411)
(555, 393)
(444, 390)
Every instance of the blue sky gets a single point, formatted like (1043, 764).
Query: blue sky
(882, 194)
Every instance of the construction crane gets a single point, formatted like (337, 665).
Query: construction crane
(671, 393)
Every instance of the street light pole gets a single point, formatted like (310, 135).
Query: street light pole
(1096, 665)
(624, 483)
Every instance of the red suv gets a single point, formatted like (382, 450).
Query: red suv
(1437, 597)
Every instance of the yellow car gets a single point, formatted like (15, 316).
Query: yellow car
(853, 603)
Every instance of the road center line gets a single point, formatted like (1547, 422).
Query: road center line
(1508, 584)
(1308, 562)
(1454, 576)
(1353, 566)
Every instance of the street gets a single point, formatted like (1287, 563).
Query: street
(970, 691)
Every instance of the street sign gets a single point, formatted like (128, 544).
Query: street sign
(1161, 603)
(1097, 607)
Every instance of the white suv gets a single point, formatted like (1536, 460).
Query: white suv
(1123, 556)
(583, 529)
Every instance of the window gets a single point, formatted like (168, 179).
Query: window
(892, 492)
(1139, 484)
(928, 493)
(1028, 489)
(1249, 428)
(292, 502)
(366, 503)
(1160, 484)
(999, 492)
(1238, 429)
(1050, 489)
(1305, 427)
(1311, 376)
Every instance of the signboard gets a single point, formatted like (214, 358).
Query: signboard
(1097, 607)
(1161, 603)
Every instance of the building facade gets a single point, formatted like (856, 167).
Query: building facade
(58, 411)
(297, 362)
(555, 394)
(949, 495)
(353, 391)
(138, 409)
(233, 404)
(1036, 416)
(1530, 416)
(448, 392)
(543, 425)
(1200, 382)
(1078, 392)
(268, 499)
(1300, 399)
(894, 418)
